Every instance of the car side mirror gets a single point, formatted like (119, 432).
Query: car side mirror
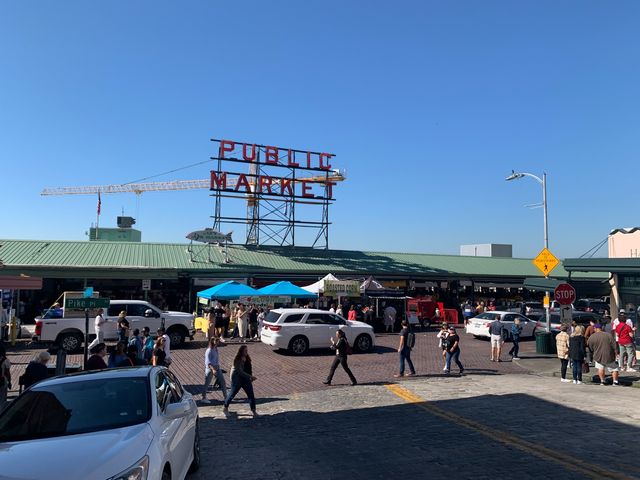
(176, 410)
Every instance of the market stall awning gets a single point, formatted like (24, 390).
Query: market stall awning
(541, 284)
(20, 283)
(228, 291)
(285, 289)
(318, 287)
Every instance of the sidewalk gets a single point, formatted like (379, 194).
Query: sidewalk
(549, 366)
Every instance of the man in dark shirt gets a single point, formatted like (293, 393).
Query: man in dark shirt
(495, 331)
(96, 360)
(36, 370)
(404, 349)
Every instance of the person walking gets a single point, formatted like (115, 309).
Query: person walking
(136, 342)
(603, 346)
(577, 353)
(624, 334)
(240, 379)
(562, 347)
(495, 332)
(443, 344)
(253, 322)
(123, 327)
(98, 323)
(516, 331)
(36, 370)
(262, 315)
(218, 320)
(241, 322)
(390, 318)
(166, 345)
(212, 369)
(407, 342)
(159, 357)
(467, 311)
(587, 334)
(5, 376)
(147, 344)
(342, 350)
(453, 351)
(96, 360)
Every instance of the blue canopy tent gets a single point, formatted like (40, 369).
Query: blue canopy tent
(285, 289)
(228, 291)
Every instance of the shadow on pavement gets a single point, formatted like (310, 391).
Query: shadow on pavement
(507, 436)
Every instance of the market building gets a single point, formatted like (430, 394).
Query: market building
(169, 274)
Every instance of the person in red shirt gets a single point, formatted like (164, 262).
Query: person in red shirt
(625, 343)
(352, 313)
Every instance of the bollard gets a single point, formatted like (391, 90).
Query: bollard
(61, 362)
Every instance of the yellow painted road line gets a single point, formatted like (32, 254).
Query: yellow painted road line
(586, 468)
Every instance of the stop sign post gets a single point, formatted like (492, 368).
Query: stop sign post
(565, 294)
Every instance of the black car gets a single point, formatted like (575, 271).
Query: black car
(592, 305)
(581, 318)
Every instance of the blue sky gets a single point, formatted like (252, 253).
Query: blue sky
(427, 105)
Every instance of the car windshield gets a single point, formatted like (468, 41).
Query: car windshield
(77, 407)
(272, 317)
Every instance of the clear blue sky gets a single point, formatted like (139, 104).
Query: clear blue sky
(427, 104)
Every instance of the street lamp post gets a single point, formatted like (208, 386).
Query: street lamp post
(542, 181)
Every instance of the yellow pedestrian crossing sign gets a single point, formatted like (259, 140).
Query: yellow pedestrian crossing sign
(546, 261)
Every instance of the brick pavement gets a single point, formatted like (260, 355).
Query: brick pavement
(280, 373)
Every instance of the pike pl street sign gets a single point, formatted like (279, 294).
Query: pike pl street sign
(546, 261)
(82, 303)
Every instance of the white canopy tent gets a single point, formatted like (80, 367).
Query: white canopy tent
(318, 287)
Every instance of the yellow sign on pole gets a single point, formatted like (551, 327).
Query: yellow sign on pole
(546, 261)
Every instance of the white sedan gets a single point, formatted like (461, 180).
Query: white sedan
(128, 423)
(479, 326)
(299, 329)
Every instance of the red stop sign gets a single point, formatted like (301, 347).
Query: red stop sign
(565, 294)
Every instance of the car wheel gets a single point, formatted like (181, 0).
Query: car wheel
(363, 343)
(299, 345)
(166, 475)
(176, 336)
(195, 464)
(70, 342)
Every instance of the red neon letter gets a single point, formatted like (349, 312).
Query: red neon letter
(242, 180)
(272, 155)
(322, 165)
(218, 183)
(226, 146)
(306, 187)
(285, 184)
(252, 158)
(330, 189)
(265, 182)
(291, 157)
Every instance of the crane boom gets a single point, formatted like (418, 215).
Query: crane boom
(138, 188)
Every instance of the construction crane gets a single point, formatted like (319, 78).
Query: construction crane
(139, 188)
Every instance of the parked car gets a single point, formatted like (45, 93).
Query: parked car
(592, 305)
(478, 326)
(68, 333)
(300, 329)
(527, 308)
(581, 318)
(110, 424)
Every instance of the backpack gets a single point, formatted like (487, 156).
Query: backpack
(411, 340)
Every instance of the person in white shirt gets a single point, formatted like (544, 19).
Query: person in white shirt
(390, 318)
(166, 346)
(99, 322)
(333, 308)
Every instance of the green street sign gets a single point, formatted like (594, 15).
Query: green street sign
(81, 303)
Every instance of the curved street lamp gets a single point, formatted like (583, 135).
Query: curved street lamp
(542, 181)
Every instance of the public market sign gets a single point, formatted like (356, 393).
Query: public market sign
(317, 187)
(341, 288)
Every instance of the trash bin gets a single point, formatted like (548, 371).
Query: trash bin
(544, 343)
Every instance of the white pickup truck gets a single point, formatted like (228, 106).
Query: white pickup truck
(68, 332)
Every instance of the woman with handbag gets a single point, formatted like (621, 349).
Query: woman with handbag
(577, 353)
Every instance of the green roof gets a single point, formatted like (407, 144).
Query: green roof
(614, 265)
(165, 260)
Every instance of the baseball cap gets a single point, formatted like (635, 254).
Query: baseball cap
(622, 312)
(453, 329)
(597, 325)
